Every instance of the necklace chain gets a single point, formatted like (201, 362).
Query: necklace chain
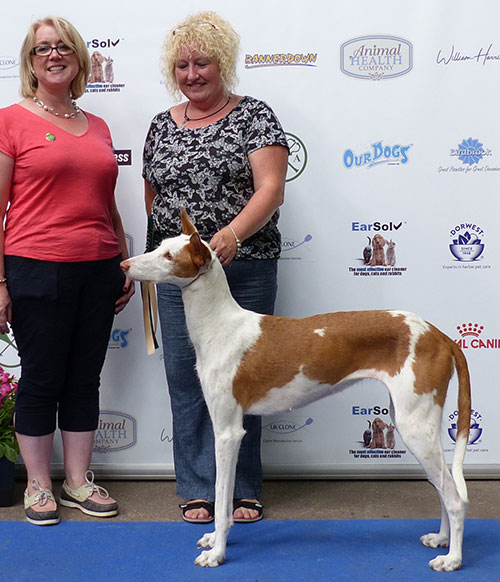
(51, 110)
(187, 119)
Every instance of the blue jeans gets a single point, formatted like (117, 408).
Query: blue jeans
(253, 285)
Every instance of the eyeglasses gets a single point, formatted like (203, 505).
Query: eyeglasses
(180, 29)
(45, 50)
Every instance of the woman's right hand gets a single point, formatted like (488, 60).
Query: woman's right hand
(5, 309)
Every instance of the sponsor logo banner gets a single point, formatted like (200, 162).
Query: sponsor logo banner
(376, 57)
(257, 60)
(454, 55)
(9, 355)
(9, 67)
(469, 157)
(294, 249)
(378, 435)
(378, 153)
(475, 435)
(471, 337)
(467, 247)
(297, 159)
(116, 431)
(284, 430)
(103, 77)
(123, 157)
(118, 339)
(378, 250)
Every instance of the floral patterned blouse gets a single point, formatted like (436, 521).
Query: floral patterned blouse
(208, 171)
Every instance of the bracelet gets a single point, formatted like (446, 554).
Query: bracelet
(238, 242)
(4, 280)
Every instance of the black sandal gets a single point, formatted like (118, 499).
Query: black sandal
(198, 505)
(237, 503)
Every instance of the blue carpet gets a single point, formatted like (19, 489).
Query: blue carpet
(269, 551)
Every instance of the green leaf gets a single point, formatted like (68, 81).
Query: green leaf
(2, 450)
(11, 454)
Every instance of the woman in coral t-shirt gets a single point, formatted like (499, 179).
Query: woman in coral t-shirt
(60, 250)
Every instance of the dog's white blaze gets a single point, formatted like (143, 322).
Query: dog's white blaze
(320, 332)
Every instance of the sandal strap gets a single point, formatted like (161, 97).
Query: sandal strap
(197, 505)
(237, 503)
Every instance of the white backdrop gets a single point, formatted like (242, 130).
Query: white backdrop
(391, 112)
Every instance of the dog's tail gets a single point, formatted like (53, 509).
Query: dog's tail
(463, 421)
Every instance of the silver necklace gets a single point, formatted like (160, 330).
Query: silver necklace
(187, 119)
(71, 115)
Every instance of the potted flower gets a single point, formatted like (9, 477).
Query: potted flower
(9, 449)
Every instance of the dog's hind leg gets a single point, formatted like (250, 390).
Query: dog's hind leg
(419, 425)
(227, 445)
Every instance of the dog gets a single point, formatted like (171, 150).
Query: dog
(96, 72)
(378, 439)
(378, 257)
(260, 364)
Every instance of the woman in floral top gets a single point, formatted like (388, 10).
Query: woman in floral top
(224, 158)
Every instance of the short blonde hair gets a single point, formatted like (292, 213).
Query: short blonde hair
(70, 36)
(209, 34)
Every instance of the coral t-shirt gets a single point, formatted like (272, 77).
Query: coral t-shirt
(61, 200)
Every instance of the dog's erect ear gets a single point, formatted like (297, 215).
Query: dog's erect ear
(187, 226)
(200, 255)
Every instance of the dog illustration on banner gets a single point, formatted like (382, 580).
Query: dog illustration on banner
(260, 364)
(98, 74)
(374, 437)
(374, 253)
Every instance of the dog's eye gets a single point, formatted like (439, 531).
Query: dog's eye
(168, 255)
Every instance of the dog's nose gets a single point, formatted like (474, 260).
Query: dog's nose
(124, 265)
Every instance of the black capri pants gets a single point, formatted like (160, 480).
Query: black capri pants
(62, 314)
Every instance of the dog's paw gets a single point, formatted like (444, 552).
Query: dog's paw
(446, 563)
(207, 541)
(435, 540)
(209, 559)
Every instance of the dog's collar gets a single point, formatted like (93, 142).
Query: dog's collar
(200, 273)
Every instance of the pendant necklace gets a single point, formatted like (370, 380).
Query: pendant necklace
(71, 115)
(187, 119)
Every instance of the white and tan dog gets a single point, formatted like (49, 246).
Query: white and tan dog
(257, 364)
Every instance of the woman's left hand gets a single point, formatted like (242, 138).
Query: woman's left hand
(128, 291)
(225, 246)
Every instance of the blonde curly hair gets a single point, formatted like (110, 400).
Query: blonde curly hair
(209, 34)
(71, 37)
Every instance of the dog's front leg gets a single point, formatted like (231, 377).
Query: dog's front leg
(227, 445)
